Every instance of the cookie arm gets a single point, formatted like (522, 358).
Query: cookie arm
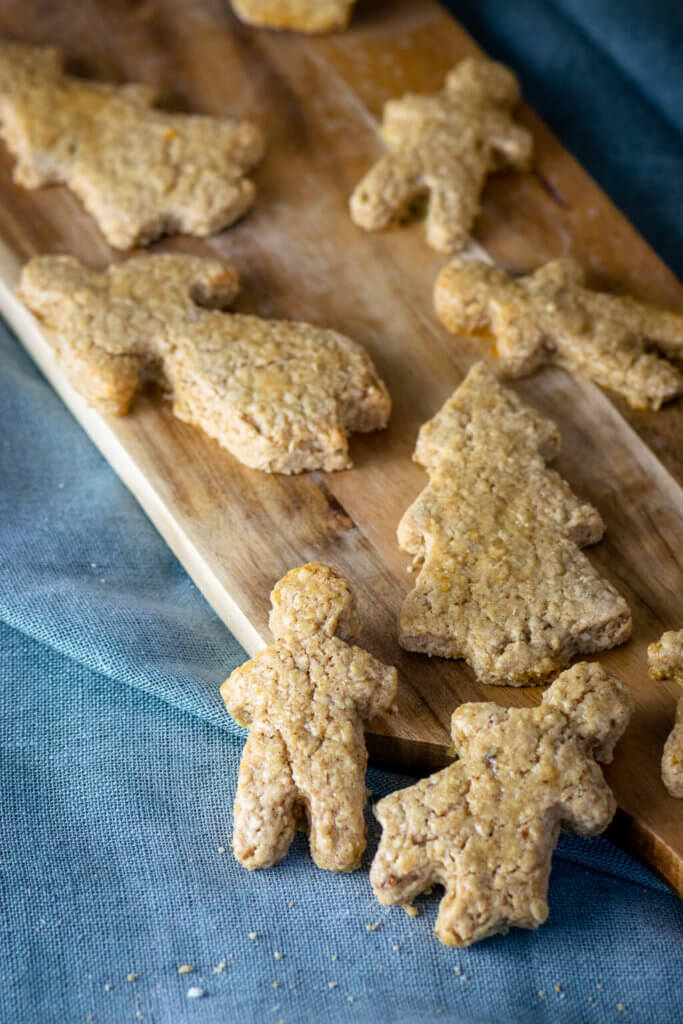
(370, 683)
(512, 144)
(247, 686)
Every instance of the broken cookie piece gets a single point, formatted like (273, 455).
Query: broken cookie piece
(551, 318)
(280, 396)
(313, 16)
(139, 171)
(444, 146)
(305, 699)
(486, 827)
(666, 662)
(496, 539)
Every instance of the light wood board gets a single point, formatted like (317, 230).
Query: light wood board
(299, 256)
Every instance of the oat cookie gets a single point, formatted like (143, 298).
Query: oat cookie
(444, 145)
(140, 172)
(666, 662)
(485, 827)
(305, 699)
(550, 317)
(496, 539)
(280, 396)
(300, 15)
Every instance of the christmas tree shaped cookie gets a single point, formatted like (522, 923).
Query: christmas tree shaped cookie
(485, 827)
(666, 662)
(300, 15)
(280, 396)
(496, 540)
(550, 317)
(140, 172)
(444, 146)
(305, 699)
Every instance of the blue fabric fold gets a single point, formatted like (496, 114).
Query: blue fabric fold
(118, 763)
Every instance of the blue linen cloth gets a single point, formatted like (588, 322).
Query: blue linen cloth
(118, 763)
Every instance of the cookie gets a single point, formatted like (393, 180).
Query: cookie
(444, 146)
(280, 396)
(551, 318)
(666, 662)
(305, 699)
(140, 172)
(485, 827)
(313, 16)
(496, 537)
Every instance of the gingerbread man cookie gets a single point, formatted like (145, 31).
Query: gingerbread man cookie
(485, 827)
(496, 540)
(314, 16)
(305, 699)
(666, 662)
(280, 396)
(444, 146)
(550, 317)
(140, 172)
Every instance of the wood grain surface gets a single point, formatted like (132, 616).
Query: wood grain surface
(299, 255)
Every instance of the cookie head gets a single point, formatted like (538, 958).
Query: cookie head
(598, 706)
(485, 78)
(310, 599)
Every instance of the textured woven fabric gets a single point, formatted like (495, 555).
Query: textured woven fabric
(118, 763)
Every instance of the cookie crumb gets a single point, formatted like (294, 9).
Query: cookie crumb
(457, 970)
(291, 903)
(253, 935)
(185, 969)
(372, 927)
(334, 956)
(412, 911)
(558, 988)
(396, 948)
(107, 987)
(351, 999)
(621, 1007)
(221, 849)
(132, 976)
(219, 968)
(541, 993)
(195, 992)
(332, 984)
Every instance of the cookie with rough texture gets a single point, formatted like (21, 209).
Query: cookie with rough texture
(485, 827)
(139, 171)
(496, 537)
(444, 146)
(550, 317)
(313, 16)
(666, 662)
(280, 396)
(305, 699)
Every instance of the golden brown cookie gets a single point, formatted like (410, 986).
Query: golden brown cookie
(140, 172)
(666, 662)
(485, 827)
(444, 146)
(550, 317)
(315, 16)
(280, 396)
(305, 699)
(496, 540)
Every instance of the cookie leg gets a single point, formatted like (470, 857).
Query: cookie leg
(265, 816)
(386, 192)
(336, 798)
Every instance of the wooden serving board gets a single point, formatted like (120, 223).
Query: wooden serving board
(299, 255)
